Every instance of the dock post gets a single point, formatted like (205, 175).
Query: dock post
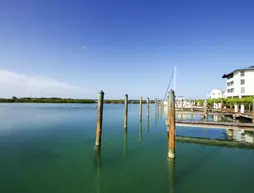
(99, 118)
(230, 132)
(155, 107)
(148, 107)
(182, 105)
(221, 106)
(242, 108)
(236, 108)
(126, 111)
(253, 111)
(171, 125)
(205, 110)
(140, 108)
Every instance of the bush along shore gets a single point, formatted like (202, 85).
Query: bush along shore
(228, 102)
(64, 100)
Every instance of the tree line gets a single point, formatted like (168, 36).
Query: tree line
(229, 102)
(64, 100)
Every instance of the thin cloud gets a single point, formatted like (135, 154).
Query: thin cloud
(13, 84)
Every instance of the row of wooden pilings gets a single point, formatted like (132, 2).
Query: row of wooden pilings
(171, 119)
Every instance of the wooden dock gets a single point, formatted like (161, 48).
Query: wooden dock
(215, 142)
(218, 125)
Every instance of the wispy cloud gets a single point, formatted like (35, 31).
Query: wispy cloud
(13, 84)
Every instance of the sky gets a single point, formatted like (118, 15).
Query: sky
(74, 48)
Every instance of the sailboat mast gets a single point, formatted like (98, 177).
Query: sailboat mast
(175, 78)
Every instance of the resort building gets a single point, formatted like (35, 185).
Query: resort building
(240, 83)
(217, 94)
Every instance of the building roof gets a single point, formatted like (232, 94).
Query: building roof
(241, 69)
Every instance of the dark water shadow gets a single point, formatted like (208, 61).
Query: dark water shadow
(140, 131)
(171, 167)
(194, 166)
(125, 141)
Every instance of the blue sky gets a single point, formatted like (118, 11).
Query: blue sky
(122, 46)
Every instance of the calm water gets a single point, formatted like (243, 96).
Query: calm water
(49, 148)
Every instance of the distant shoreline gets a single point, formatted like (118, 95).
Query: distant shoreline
(64, 100)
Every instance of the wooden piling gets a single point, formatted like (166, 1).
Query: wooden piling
(205, 110)
(126, 111)
(148, 107)
(221, 106)
(171, 118)
(155, 106)
(182, 105)
(99, 118)
(253, 111)
(230, 132)
(140, 109)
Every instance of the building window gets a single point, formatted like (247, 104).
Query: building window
(228, 90)
(231, 90)
(232, 82)
(242, 81)
(242, 90)
(228, 83)
(242, 73)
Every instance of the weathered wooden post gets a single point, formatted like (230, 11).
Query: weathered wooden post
(99, 118)
(126, 111)
(155, 104)
(140, 108)
(205, 110)
(148, 107)
(242, 108)
(221, 106)
(230, 132)
(171, 125)
(253, 111)
(236, 108)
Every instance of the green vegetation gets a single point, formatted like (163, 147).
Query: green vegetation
(229, 102)
(45, 100)
(63, 100)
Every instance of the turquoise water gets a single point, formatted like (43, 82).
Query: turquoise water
(49, 148)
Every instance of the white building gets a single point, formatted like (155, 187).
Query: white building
(240, 82)
(217, 94)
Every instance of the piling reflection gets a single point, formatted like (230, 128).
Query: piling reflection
(140, 131)
(171, 166)
(125, 141)
(161, 112)
(192, 116)
(98, 166)
(148, 123)
(240, 135)
(156, 119)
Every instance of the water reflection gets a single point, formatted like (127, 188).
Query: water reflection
(171, 165)
(243, 136)
(125, 141)
(98, 165)
(148, 124)
(140, 131)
